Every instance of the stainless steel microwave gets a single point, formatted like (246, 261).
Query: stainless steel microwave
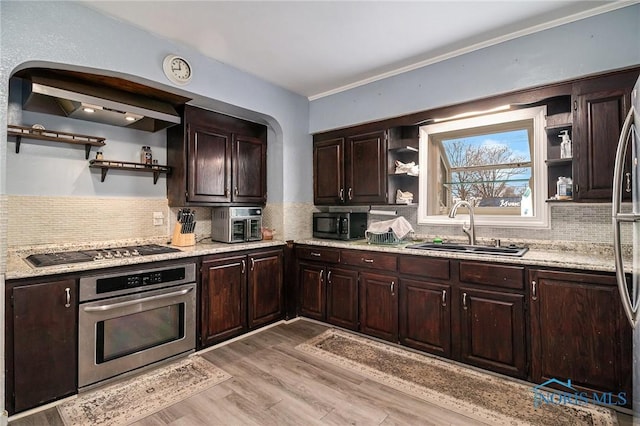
(339, 225)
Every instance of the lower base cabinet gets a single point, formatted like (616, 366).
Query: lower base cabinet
(492, 331)
(425, 316)
(41, 326)
(239, 293)
(579, 332)
(379, 305)
(329, 294)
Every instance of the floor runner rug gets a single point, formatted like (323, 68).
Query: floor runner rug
(484, 397)
(134, 398)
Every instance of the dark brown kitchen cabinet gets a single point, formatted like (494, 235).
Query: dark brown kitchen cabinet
(216, 159)
(41, 327)
(379, 305)
(265, 287)
(224, 299)
(425, 316)
(579, 331)
(600, 107)
(351, 169)
(240, 292)
(342, 298)
(327, 293)
(492, 331)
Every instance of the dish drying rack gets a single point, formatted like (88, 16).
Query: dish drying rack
(386, 238)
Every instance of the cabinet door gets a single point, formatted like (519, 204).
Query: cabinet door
(579, 332)
(379, 305)
(366, 168)
(425, 316)
(209, 164)
(342, 298)
(223, 299)
(492, 331)
(598, 121)
(249, 164)
(328, 177)
(266, 298)
(313, 300)
(44, 342)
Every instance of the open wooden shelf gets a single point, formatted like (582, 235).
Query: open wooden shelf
(53, 136)
(105, 165)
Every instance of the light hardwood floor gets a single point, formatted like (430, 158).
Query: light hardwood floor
(274, 384)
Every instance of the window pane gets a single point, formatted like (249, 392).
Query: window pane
(491, 171)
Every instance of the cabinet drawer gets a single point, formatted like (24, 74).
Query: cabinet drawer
(491, 274)
(370, 260)
(319, 254)
(424, 266)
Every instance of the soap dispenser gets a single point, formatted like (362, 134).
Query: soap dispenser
(565, 145)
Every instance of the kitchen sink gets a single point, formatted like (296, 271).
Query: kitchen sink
(464, 248)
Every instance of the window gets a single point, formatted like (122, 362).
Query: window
(495, 162)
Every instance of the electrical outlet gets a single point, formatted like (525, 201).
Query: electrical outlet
(158, 218)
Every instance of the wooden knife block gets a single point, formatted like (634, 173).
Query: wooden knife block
(182, 240)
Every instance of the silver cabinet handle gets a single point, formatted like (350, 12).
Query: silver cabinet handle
(341, 194)
(367, 260)
(628, 188)
(314, 254)
(226, 192)
(444, 297)
(244, 267)
(350, 194)
(253, 263)
(393, 284)
(102, 308)
(464, 301)
(534, 290)
(236, 190)
(68, 297)
(329, 277)
(321, 276)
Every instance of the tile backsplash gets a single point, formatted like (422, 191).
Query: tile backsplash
(34, 220)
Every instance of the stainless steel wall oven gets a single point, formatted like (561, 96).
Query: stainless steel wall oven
(134, 319)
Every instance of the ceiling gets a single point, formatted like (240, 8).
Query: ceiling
(316, 48)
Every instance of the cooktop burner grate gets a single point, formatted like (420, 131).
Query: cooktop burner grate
(91, 255)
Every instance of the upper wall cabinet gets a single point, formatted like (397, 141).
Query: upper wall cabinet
(216, 159)
(350, 169)
(357, 168)
(600, 107)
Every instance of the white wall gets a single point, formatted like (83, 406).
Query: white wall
(599, 43)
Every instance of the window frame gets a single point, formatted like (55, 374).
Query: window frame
(430, 169)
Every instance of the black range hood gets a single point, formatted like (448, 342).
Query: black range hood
(101, 99)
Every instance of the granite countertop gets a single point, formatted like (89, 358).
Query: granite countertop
(18, 267)
(570, 255)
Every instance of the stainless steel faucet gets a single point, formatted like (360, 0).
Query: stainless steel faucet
(471, 230)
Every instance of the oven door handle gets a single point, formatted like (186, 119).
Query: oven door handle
(103, 308)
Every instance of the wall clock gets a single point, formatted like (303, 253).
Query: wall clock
(177, 69)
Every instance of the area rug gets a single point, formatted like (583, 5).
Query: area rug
(480, 396)
(133, 399)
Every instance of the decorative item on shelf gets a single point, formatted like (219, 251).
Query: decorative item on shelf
(411, 168)
(184, 229)
(564, 188)
(38, 128)
(565, 145)
(403, 197)
(99, 155)
(146, 156)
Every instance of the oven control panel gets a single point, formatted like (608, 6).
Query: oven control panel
(101, 286)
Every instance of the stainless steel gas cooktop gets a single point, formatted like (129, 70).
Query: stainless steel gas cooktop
(92, 255)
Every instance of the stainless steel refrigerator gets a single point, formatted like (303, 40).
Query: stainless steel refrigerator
(626, 228)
